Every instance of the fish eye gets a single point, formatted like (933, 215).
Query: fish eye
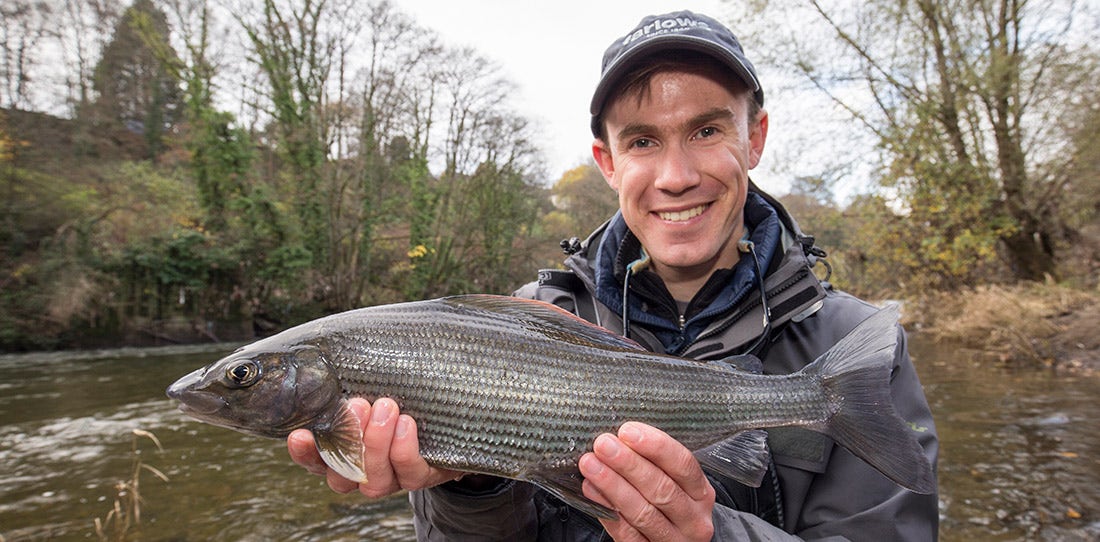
(244, 373)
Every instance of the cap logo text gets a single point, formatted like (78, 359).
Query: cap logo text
(663, 26)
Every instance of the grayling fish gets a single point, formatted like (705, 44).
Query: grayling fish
(520, 389)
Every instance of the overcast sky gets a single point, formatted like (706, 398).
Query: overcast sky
(551, 49)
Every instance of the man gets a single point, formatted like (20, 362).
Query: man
(698, 263)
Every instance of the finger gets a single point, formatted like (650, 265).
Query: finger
(378, 432)
(618, 473)
(669, 456)
(412, 471)
(619, 529)
(648, 478)
(409, 468)
(303, 451)
(670, 479)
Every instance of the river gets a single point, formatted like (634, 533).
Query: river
(1020, 456)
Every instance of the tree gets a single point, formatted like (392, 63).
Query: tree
(964, 98)
(77, 30)
(395, 93)
(811, 201)
(136, 89)
(582, 195)
(477, 137)
(24, 27)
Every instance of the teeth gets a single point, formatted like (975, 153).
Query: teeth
(680, 216)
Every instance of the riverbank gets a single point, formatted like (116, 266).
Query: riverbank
(1022, 325)
(1030, 324)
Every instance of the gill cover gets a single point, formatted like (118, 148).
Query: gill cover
(336, 430)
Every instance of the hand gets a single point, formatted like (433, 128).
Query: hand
(653, 482)
(391, 453)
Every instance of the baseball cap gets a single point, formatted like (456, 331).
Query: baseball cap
(680, 30)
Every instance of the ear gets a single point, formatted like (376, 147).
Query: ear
(601, 152)
(757, 137)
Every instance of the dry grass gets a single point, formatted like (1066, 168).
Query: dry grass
(124, 518)
(1026, 323)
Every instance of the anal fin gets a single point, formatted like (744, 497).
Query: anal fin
(743, 457)
(566, 485)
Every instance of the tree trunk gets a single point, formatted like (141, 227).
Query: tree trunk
(1029, 254)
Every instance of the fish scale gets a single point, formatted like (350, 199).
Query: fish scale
(520, 389)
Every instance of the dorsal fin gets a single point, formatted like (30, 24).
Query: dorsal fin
(746, 363)
(543, 318)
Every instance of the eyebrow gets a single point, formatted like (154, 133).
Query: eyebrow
(711, 115)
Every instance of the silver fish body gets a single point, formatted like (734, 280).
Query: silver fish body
(520, 389)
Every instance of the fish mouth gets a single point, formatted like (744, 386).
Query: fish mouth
(193, 401)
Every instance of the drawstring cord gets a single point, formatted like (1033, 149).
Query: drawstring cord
(748, 247)
(635, 266)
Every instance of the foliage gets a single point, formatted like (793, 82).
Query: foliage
(137, 94)
(349, 191)
(970, 116)
(341, 155)
(583, 195)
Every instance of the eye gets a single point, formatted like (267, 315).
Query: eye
(704, 133)
(244, 373)
(642, 143)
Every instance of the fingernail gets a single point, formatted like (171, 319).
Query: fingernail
(380, 412)
(607, 445)
(630, 434)
(590, 466)
(402, 428)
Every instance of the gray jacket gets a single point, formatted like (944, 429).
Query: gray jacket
(825, 492)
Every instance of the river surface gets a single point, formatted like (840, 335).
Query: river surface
(1020, 456)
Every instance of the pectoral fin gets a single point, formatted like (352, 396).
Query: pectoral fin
(341, 445)
(566, 485)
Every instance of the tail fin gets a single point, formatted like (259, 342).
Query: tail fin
(857, 369)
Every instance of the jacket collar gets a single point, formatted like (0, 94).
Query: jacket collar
(730, 312)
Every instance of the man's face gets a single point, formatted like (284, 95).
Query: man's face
(679, 157)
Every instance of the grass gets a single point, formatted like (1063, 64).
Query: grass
(122, 521)
(1029, 323)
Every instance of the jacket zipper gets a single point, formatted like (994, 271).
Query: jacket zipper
(728, 322)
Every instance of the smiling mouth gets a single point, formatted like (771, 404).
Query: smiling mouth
(681, 216)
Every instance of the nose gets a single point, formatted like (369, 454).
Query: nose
(676, 171)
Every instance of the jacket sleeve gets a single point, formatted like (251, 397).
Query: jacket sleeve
(504, 511)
